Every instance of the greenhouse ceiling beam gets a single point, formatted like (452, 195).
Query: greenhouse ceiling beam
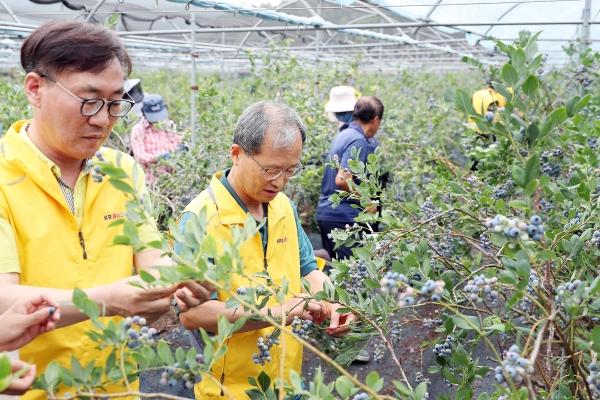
(317, 22)
(358, 26)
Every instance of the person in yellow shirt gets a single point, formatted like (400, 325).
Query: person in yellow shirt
(55, 219)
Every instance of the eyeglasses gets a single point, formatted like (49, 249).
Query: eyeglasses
(272, 174)
(91, 106)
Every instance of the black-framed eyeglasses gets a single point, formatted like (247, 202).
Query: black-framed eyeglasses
(92, 106)
(272, 174)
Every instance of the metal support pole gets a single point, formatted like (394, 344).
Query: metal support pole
(96, 7)
(8, 10)
(193, 56)
(222, 62)
(316, 85)
(379, 70)
(585, 32)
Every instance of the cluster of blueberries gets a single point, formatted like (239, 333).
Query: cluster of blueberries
(264, 346)
(432, 323)
(445, 349)
(480, 283)
(301, 327)
(514, 365)
(433, 288)
(97, 175)
(145, 334)
(389, 283)
(357, 273)
(564, 292)
(517, 229)
(171, 375)
(593, 380)
(419, 378)
(596, 238)
(241, 291)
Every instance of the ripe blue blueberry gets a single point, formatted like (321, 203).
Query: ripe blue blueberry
(489, 116)
(409, 300)
(535, 220)
(172, 383)
(133, 334)
(136, 319)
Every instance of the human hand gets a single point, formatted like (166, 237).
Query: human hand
(305, 308)
(27, 319)
(126, 300)
(192, 294)
(340, 323)
(372, 210)
(20, 385)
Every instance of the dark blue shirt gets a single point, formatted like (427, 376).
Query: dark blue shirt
(341, 146)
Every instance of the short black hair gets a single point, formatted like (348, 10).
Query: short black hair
(75, 46)
(367, 108)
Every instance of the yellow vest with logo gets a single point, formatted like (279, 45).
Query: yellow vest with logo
(50, 253)
(283, 260)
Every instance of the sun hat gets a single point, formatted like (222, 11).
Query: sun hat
(341, 98)
(154, 108)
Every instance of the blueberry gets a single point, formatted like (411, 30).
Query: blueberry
(136, 319)
(163, 382)
(133, 334)
(489, 116)
(593, 367)
(436, 297)
(198, 378)
(514, 233)
(172, 383)
(409, 301)
(514, 349)
(535, 220)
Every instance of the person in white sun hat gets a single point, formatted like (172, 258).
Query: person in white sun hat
(340, 105)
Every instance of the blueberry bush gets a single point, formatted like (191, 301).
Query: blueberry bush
(488, 220)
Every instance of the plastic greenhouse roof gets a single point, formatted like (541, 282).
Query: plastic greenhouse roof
(551, 40)
(386, 33)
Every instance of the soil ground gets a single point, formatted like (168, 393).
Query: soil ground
(412, 357)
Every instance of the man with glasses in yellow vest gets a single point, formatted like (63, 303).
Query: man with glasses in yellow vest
(265, 153)
(55, 231)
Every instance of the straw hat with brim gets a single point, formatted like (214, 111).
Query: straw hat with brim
(341, 98)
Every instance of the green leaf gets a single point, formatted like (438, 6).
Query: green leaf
(463, 102)
(530, 86)
(51, 374)
(553, 120)
(581, 104)
(533, 132)
(498, 87)
(449, 95)
(577, 246)
(461, 321)
(532, 168)
(518, 60)
(596, 335)
(498, 239)
(403, 389)
(518, 176)
(264, 381)
(518, 204)
(343, 387)
(448, 375)
(456, 188)
(510, 75)
(420, 390)
(164, 352)
(122, 186)
(147, 276)
(531, 187)
(374, 382)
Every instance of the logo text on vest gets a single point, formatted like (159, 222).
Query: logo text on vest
(109, 217)
(282, 240)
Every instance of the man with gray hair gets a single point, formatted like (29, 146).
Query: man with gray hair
(266, 150)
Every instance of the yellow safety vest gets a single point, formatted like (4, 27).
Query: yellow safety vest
(283, 259)
(50, 253)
